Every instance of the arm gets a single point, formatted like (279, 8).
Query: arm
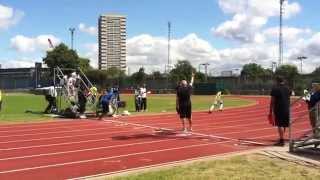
(192, 79)
(271, 106)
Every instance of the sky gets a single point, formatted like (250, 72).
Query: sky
(225, 33)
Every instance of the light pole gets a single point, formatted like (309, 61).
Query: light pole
(206, 70)
(273, 66)
(72, 34)
(301, 58)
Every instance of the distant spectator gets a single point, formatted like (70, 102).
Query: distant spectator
(137, 99)
(51, 96)
(0, 100)
(143, 91)
(279, 108)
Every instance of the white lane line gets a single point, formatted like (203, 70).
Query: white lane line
(57, 123)
(106, 158)
(60, 132)
(57, 144)
(61, 137)
(52, 128)
(120, 156)
(200, 134)
(83, 150)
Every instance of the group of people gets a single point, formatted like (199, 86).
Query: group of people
(140, 98)
(279, 112)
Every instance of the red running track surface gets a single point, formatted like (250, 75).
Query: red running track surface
(81, 148)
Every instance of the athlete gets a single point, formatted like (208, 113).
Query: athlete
(217, 103)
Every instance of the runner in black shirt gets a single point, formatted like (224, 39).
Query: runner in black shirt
(184, 91)
(279, 107)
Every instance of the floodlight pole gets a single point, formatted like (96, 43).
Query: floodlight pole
(206, 70)
(72, 30)
(169, 46)
(301, 58)
(281, 34)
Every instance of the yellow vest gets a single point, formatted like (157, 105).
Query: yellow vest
(0, 96)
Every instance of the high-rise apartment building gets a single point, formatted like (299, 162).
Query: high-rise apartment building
(112, 41)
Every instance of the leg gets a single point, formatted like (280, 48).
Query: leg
(144, 104)
(281, 135)
(183, 124)
(190, 124)
(211, 108)
(0, 105)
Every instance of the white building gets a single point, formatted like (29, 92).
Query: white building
(112, 41)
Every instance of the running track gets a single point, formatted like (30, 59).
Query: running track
(80, 148)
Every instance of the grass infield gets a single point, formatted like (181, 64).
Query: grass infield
(248, 167)
(15, 105)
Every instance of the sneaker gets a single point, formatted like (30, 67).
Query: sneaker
(83, 116)
(279, 143)
(185, 131)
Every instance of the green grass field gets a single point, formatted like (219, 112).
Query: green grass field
(15, 105)
(248, 167)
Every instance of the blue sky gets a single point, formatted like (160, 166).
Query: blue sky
(149, 17)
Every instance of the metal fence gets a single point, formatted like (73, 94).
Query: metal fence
(304, 129)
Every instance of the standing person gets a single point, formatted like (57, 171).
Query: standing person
(137, 99)
(82, 101)
(279, 108)
(184, 91)
(143, 91)
(0, 100)
(314, 100)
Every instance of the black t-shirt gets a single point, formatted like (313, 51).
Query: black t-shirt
(281, 96)
(184, 93)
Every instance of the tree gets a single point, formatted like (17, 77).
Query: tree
(289, 73)
(182, 70)
(64, 57)
(200, 77)
(156, 75)
(84, 64)
(253, 71)
(115, 72)
(316, 71)
(139, 77)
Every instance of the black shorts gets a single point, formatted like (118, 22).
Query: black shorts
(281, 119)
(185, 110)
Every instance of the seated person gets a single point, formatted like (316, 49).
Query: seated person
(104, 102)
(51, 95)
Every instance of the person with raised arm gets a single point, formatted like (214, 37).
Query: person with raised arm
(184, 107)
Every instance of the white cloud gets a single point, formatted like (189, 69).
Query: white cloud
(264, 8)
(88, 29)
(92, 53)
(25, 44)
(151, 52)
(18, 63)
(242, 28)
(290, 34)
(249, 17)
(9, 16)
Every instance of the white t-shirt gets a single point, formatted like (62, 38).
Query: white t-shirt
(143, 92)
